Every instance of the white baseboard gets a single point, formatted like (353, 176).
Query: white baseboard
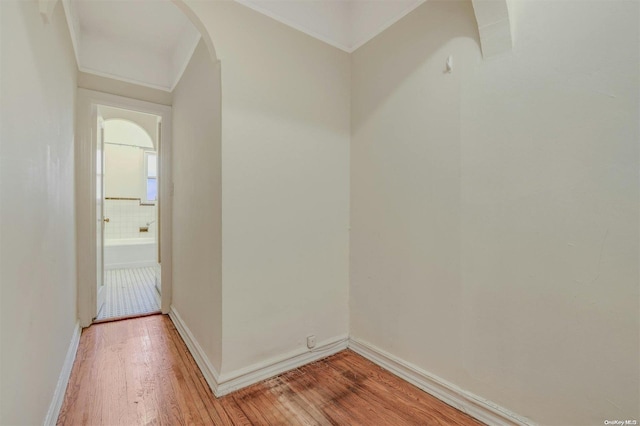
(255, 373)
(226, 383)
(479, 408)
(208, 370)
(63, 379)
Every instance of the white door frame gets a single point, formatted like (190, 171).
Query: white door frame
(100, 295)
(85, 152)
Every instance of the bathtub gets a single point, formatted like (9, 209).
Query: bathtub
(130, 253)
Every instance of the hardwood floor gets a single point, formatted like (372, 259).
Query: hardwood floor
(139, 372)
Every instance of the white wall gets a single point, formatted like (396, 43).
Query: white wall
(495, 209)
(148, 122)
(37, 237)
(197, 222)
(285, 177)
(121, 88)
(326, 20)
(346, 25)
(369, 18)
(124, 171)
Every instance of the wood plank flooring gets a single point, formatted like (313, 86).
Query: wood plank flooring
(139, 372)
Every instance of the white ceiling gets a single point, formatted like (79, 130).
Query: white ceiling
(143, 42)
(150, 42)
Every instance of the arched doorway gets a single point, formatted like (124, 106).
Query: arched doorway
(86, 207)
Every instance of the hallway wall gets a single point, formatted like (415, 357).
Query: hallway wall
(494, 219)
(197, 210)
(37, 231)
(285, 186)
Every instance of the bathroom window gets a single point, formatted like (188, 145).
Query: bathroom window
(151, 175)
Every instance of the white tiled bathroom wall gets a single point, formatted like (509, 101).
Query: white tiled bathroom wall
(126, 217)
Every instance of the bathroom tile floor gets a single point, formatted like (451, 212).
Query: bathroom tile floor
(129, 292)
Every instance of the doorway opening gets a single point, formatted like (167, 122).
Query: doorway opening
(162, 51)
(127, 176)
(123, 208)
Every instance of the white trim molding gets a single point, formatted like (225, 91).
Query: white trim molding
(63, 380)
(231, 382)
(473, 405)
(208, 370)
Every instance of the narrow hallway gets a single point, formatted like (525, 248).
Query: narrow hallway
(139, 371)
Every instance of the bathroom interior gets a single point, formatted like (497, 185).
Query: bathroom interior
(131, 272)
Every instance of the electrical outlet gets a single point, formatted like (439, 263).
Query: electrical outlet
(311, 342)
